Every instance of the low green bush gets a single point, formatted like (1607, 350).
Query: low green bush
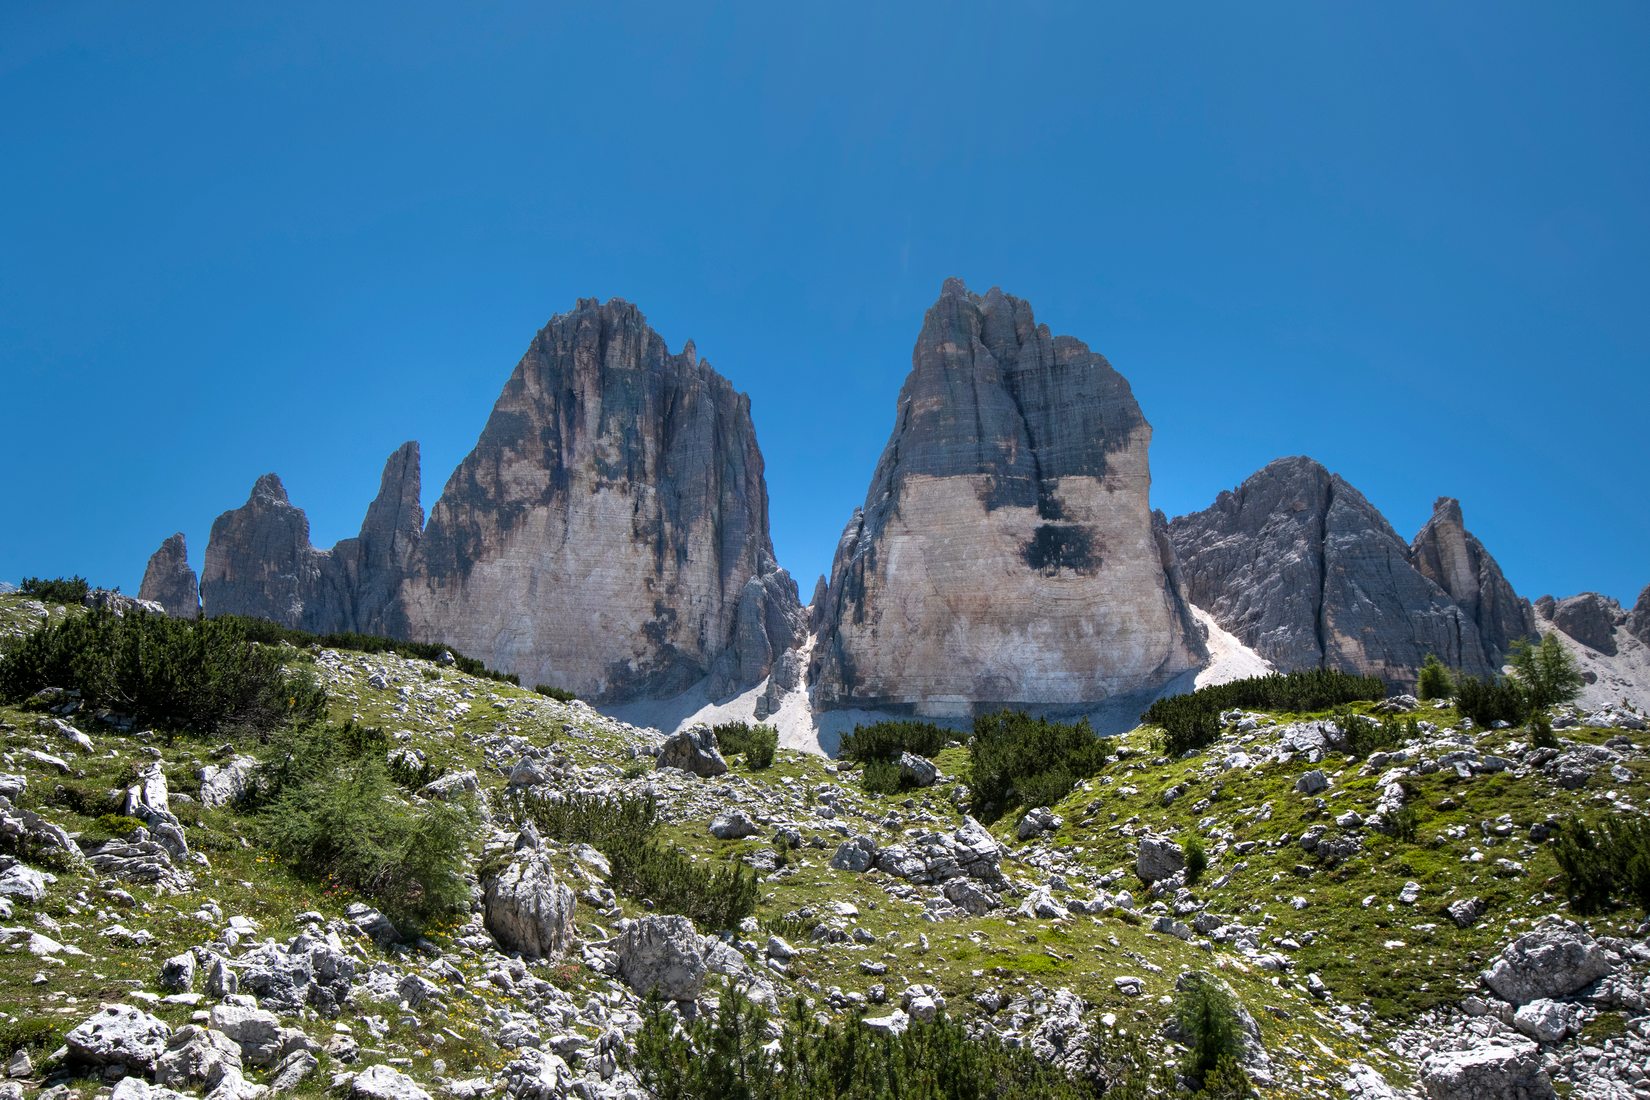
(201, 676)
(1190, 722)
(726, 1055)
(1435, 680)
(1606, 864)
(1207, 1017)
(327, 805)
(1491, 700)
(1023, 761)
(269, 633)
(71, 590)
(757, 744)
(886, 740)
(624, 830)
(1197, 858)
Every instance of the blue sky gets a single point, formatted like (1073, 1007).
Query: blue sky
(1411, 241)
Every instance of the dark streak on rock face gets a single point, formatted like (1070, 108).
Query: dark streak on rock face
(1062, 546)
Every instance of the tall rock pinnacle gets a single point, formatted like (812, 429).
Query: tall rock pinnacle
(1450, 556)
(609, 533)
(170, 581)
(1006, 552)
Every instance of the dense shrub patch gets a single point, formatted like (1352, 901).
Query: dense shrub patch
(1192, 721)
(886, 740)
(1492, 700)
(1605, 865)
(756, 744)
(328, 805)
(1025, 761)
(560, 695)
(624, 830)
(724, 1055)
(262, 630)
(205, 676)
(56, 590)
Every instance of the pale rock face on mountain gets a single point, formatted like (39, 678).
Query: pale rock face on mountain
(1301, 568)
(609, 533)
(1450, 556)
(170, 581)
(1006, 552)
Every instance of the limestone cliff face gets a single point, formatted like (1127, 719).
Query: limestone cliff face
(1447, 554)
(170, 581)
(1006, 552)
(609, 533)
(1307, 572)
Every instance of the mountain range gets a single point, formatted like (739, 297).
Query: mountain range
(608, 535)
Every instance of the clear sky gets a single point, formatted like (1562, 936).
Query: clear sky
(1410, 240)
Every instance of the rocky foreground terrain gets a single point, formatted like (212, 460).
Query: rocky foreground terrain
(152, 946)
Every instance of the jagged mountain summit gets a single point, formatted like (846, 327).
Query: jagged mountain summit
(1303, 569)
(608, 534)
(1006, 553)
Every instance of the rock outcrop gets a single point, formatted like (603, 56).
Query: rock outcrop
(1451, 557)
(1006, 553)
(1638, 619)
(1304, 570)
(170, 581)
(605, 533)
(1589, 618)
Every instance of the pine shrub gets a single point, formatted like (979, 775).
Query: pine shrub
(1207, 1017)
(1491, 700)
(624, 829)
(756, 744)
(66, 590)
(1606, 864)
(726, 1055)
(201, 676)
(1435, 681)
(1192, 721)
(886, 740)
(1023, 761)
(327, 804)
(1197, 858)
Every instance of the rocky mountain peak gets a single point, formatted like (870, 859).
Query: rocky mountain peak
(1013, 494)
(603, 534)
